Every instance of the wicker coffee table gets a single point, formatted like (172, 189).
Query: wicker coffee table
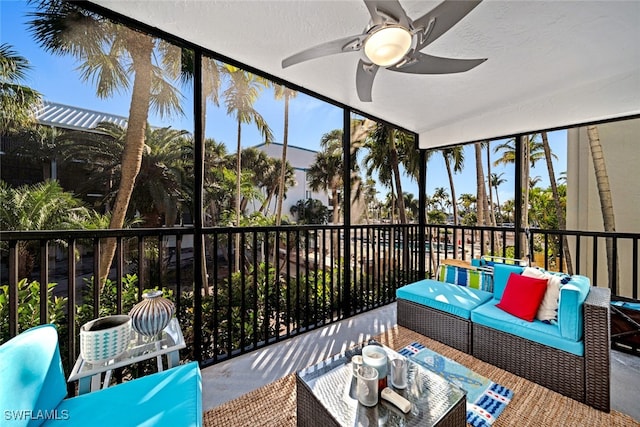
(326, 396)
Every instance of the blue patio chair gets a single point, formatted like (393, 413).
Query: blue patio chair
(33, 391)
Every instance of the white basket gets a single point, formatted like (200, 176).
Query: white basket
(105, 338)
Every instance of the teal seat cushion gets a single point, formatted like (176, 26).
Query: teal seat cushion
(501, 274)
(169, 398)
(453, 299)
(543, 333)
(31, 376)
(570, 310)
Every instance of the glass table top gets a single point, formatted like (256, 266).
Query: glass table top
(334, 386)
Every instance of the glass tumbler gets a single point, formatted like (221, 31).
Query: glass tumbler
(356, 363)
(367, 386)
(399, 373)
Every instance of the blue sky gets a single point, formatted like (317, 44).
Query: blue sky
(58, 80)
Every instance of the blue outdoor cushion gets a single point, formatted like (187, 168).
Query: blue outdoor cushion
(167, 398)
(570, 311)
(543, 333)
(31, 376)
(501, 274)
(453, 299)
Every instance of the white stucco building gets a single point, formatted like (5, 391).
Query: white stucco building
(621, 151)
(300, 159)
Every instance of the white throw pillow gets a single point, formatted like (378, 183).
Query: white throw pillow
(548, 310)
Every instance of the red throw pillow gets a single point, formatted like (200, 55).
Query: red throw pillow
(522, 296)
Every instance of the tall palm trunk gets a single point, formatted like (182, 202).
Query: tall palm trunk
(498, 203)
(491, 207)
(393, 153)
(480, 188)
(454, 205)
(140, 47)
(562, 224)
(335, 204)
(283, 172)
(283, 167)
(606, 199)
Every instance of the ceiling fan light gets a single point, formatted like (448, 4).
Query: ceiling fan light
(388, 45)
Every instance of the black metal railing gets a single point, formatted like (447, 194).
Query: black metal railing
(260, 285)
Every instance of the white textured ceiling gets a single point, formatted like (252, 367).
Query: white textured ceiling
(550, 63)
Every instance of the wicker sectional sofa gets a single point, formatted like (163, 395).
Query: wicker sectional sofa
(571, 357)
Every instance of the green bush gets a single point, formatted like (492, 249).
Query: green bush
(29, 307)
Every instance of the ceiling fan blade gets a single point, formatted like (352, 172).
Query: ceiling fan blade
(445, 15)
(422, 63)
(382, 10)
(345, 44)
(364, 80)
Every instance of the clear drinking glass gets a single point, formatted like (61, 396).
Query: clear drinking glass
(367, 386)
(356, 362)
(399, 373)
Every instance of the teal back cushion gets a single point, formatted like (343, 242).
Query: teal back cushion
(501, 274)
(31, 376)
(570, 317)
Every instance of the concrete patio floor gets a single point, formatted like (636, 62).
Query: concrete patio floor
(233, 378)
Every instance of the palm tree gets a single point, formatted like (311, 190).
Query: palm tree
(17, 102)
(115, 57)
(562, 224)
(531, 152)
(218, 193)
(533, 181)
(271, 182)
(369, 193)
(326, 172)
(240, 97)
(606, 199)
(411, 204)
(455, 155)
(282, 92)
(481, 194)
(387, 149)
(42, 206)
(442, 199)
(508, 209)
(489, 204)
(162, 172)
(467, 200)
(495, 181)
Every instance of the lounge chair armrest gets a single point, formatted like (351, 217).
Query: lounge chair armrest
(597, 345)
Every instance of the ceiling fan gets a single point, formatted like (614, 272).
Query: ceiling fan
(393, 41)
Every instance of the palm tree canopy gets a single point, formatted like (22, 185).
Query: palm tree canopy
(240, 97)
(105, 52)
(17, 102)
(42, 206)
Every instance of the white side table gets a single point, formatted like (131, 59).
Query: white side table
(140, 348)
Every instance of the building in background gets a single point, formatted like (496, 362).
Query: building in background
(621, 152)
(300, 160)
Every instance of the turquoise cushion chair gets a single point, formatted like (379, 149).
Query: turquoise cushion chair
(33, 390)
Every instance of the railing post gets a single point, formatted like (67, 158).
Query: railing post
(198, 185)
(13, 288)
(71, 299)
(346, 214)
(44, 281)
(96, 278)
(517, 220)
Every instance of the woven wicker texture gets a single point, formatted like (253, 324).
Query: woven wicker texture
(532, 405)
